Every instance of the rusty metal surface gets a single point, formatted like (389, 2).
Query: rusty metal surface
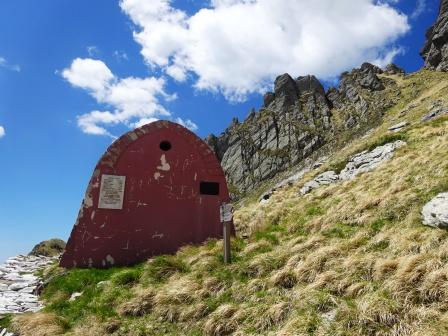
(162, 206)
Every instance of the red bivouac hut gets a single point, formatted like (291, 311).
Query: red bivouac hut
(155, 189)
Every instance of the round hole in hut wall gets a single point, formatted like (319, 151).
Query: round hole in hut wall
(165, 146)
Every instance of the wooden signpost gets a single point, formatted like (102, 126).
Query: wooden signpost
(226, 211)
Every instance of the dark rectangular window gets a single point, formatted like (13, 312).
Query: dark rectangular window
(209, 188)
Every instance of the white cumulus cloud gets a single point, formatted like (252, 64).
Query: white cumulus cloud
(2, 132)
(131, 100)
(238, 46)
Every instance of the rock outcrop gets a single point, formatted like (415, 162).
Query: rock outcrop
(435, 50)
(297, 119)
(436, 109)
(360, 163)
(49, 248)
(393, 69)
(435, 213)
(368, 160)
(288, 128)
(328, 177)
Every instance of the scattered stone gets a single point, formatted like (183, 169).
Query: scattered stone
(359, 163)
(18, 283)
(326, 178)
(286, 182)
(398, 127)
(103, 283)
(329, 316)
(435, 212)
(4, 332)
(74, 296)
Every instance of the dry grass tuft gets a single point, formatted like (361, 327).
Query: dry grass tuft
(385, 267)
(272, 316)
(179, 290)
(285, 278)
(92, 326)
(39, 324)
(220, 322)
(141, 304)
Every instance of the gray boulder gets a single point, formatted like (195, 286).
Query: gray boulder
(435, 213)
(398, 127)
(326, 178)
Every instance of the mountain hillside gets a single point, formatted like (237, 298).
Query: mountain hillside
(348, 258)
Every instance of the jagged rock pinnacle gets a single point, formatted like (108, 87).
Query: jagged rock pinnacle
(435, 50)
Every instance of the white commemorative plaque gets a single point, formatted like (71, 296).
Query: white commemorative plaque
(111, 192)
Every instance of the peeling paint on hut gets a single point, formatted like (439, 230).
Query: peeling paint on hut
(155, 189)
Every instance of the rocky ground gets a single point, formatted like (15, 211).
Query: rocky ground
(18, 284)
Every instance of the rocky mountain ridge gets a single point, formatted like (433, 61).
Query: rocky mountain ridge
(300, 117)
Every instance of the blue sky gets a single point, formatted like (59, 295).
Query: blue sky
(197, 62)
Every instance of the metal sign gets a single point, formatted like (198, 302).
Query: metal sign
(111, 192)
(226, 212)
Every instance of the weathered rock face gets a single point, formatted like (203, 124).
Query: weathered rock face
(435, 50)
(290, 126)
(296, 120)
(360, 96)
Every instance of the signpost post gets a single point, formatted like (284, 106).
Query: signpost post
(226, 211)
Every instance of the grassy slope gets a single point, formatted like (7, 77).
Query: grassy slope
(348, 259)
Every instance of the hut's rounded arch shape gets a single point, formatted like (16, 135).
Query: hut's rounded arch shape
(155, 189)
